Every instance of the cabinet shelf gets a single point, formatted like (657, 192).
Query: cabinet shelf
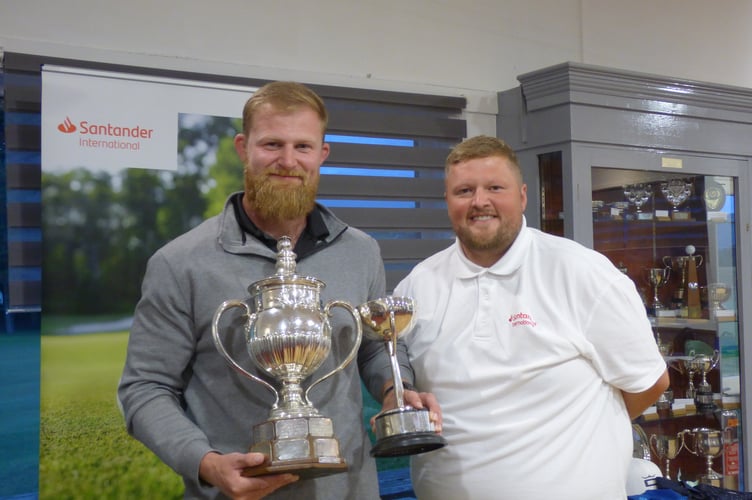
(695, 324)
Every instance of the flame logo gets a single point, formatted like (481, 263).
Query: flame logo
(67, 126)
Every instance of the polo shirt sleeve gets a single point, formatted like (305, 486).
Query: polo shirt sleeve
(624, 350)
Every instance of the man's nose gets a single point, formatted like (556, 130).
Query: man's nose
(287, 157)
(480, 197)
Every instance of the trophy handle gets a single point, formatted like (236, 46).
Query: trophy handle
(358, 337)
(228, 304)
(698, 259)
(684, 445)
(667, 261)
(715, 358)
(653, 442)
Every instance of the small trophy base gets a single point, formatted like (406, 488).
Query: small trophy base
(305, 446)
(405, 431)
(681, 216)
(704, 401)
(713, 479)
(407, 444)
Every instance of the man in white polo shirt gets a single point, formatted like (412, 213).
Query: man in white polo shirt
(538, 349)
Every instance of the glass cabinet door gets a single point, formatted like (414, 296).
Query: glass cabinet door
(674, 236)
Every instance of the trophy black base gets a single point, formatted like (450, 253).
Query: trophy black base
(407, 444)
(405, 431)
(304, 470)
(704, 402)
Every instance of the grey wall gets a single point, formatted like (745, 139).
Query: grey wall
(472, 48)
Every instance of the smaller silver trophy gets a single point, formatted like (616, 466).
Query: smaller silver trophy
(638, 195)
(687, 365)
(703, 363)
(706, 443)
(666, 447)
(657, 277)
(404, 430)
(288, 337)
(676, 192)
(718, 293)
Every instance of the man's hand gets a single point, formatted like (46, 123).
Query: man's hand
(418, 400)
(224, 472)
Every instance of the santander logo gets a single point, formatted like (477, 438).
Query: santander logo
(106, 135)
(67, 126)
(521, 319)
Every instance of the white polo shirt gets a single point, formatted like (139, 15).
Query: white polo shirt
(527, 358)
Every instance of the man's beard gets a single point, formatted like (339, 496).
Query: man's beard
(500, 240)
(279, 201)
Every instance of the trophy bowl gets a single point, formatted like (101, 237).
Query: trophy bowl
(404, 430)
(288, 337)
(718, 293)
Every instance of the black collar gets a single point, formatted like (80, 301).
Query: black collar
(315, 229)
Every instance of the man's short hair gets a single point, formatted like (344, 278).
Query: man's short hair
(284, 96)
(481, 146)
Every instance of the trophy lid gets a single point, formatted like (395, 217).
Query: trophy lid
(285, 271)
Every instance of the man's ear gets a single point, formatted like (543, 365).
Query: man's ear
(240, 143)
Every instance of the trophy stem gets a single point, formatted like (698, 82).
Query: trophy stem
(656, 301)
(294, 403)
(391, 346)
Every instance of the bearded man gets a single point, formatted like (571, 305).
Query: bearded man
(179, 396)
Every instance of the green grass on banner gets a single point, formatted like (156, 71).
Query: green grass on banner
(85, 452)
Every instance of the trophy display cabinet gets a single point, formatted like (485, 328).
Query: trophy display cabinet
(656, 174)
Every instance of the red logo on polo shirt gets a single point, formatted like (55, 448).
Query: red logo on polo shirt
(521, 319)
(67, 126)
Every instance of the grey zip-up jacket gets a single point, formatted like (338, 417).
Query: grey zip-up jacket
(182, 399)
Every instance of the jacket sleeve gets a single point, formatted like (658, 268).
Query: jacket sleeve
(150, 392)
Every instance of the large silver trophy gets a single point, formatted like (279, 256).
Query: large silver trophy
(288, 337)
(404, 430)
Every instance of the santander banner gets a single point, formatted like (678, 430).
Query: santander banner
(109, 121)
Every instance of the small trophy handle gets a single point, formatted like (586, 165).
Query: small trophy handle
(653, 442)
(353, 352)
(715, 358)
(228, 304)
(683, 435)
